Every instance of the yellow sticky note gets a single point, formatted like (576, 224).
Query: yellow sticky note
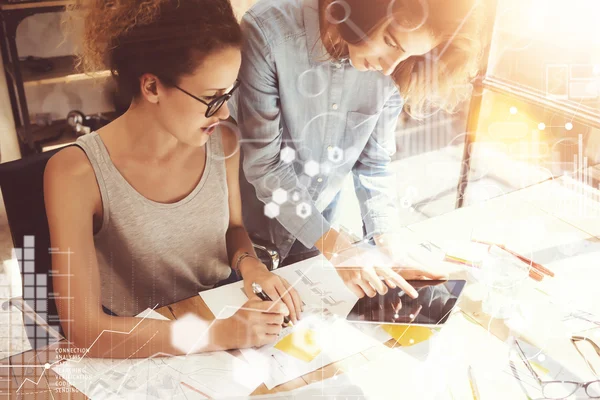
(301, 344)
(408, 335)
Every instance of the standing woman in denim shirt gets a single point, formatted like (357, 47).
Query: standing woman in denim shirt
(323, 84)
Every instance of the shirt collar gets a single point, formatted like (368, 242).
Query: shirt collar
(317, 53)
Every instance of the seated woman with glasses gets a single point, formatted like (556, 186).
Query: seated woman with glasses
(149, 207)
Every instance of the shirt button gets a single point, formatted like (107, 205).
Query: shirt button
(329, 148)
(335, 106)
(320, 180)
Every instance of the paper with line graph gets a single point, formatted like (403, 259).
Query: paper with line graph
(199, 376)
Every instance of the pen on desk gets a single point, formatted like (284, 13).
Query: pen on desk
(473, 383)
(265, 297)
(461, 261)
(536, 275)
(533, 273)
(535, 265)
(538, 267)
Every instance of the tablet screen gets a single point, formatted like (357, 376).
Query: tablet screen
(432, 307)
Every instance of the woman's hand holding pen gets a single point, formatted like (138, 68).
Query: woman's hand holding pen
(274, 286)
(256, 324)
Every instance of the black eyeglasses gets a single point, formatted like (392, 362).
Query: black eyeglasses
(214, 106)
(561, 389)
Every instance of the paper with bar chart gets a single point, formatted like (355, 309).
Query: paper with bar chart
(315, 279)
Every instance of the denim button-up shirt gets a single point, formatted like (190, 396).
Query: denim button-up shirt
(306, 123)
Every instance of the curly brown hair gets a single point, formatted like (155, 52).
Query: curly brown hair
(167, 38)
(457, 27)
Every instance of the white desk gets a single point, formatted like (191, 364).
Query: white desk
(524, 222)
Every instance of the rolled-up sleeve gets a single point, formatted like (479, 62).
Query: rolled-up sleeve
(258, 115)
(373, 178)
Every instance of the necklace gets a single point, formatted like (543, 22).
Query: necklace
(333, 46)
(337, 54)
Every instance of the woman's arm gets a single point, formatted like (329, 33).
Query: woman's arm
(259, 117)
(374, 181)
(72, 199)
(238, 241)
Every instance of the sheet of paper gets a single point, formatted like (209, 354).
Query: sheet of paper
(319, 285)
(224, 301)
(199, 376)
(393, 375)
(338, 387)
(317, 340)
(548, 369)
(472, 252)
(575, 263)
(373, 330)
(442, 361)
(316, 281)
(441, 374)
(566, 199)
(151, 314)
(579, 321)
(210, 375)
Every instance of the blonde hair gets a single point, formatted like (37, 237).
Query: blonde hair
(457, 28)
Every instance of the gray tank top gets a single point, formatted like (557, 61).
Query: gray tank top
(153, 254)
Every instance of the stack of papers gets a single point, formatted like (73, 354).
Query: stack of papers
(199, 376)
(391, 376)
(579, 321)
(321, 337)
(317, 340)
(397, 373)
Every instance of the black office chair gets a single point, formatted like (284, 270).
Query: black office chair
(22, 183)
(266, 252)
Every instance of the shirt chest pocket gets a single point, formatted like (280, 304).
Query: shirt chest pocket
(359, 128)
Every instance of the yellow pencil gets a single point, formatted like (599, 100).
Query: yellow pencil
(473, 383)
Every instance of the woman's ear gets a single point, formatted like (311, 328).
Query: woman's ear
(149, 88)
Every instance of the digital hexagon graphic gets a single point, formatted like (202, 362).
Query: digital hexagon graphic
(335, 154)
(303, 210)
(280, 196)
(311, 168)
(288, 155)
(271, 210)
(326, 168)
(272, 183)
(189, 332)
